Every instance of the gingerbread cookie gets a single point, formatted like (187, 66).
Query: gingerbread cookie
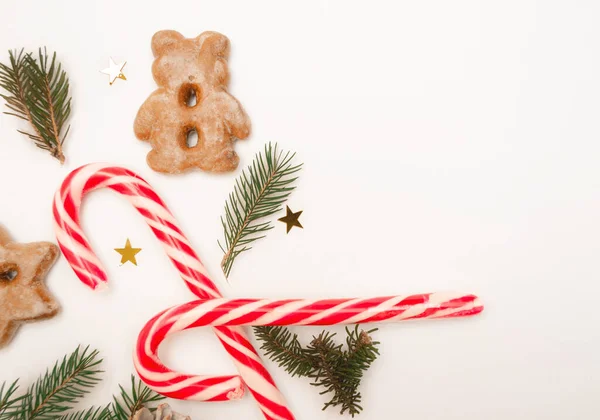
(192, 76)
(23, 295)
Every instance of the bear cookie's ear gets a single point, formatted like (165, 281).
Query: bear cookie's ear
(216, 42)
(163, 40)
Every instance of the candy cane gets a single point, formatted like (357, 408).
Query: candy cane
(81, 257)
(240, 312)
(224, 315)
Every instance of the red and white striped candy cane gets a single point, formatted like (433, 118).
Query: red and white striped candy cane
(225, 315)
(240, 312)
(77, 251)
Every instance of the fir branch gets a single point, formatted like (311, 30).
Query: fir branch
(362, 352)
(57, 391)
(329, 373)
(38, 93)
(259, 192)
(8, 402)
(329, 366)
(128, 403)
(60, 388)
(14, 79)
(51, 104)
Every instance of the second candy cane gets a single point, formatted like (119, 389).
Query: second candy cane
(79, 254)
(284, 312)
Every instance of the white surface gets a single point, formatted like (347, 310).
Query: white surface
(447, 145)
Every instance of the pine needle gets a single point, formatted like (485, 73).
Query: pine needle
(128, 403)
(38, 92)
(61, 387)
(259, 192)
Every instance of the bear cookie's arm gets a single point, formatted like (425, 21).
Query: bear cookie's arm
(236, 118)
(145, 119)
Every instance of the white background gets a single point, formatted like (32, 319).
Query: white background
(447, 146)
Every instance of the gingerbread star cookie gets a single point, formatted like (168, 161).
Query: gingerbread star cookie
(23, 294)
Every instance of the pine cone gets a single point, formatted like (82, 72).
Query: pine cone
(163, 412)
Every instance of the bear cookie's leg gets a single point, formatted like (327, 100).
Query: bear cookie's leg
(225, 161)
(214, 151)
(228, 160)
(169, 151)
(166, 161)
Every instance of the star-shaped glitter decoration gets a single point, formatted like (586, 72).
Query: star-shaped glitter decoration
(128, 253)
(23, 294)
(114, 71)
(291, 219)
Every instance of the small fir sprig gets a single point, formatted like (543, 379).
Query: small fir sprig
(38, 92)
(55, 393)
(259, 192)
(339, 371)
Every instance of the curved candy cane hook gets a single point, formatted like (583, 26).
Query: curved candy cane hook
(240, 312)
(77, 251)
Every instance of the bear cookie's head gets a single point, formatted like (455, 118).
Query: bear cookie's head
(190, 65)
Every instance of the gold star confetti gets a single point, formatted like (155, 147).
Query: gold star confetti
(128, 253)
(291, 219)
(114, 71)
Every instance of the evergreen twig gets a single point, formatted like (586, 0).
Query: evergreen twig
(328, 372)
(38, 92)
(259, 192)
(329, 366)
(56, 391)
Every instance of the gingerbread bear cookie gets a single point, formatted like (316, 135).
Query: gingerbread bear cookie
(23, 295)
(188, 69)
